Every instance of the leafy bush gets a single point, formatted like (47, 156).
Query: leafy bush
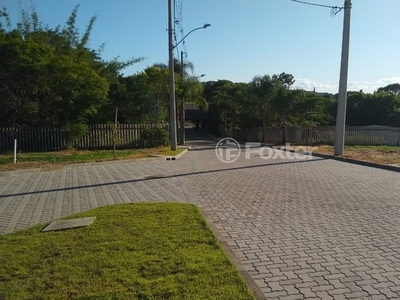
(72, 132)
(154, 137)
(115, 133)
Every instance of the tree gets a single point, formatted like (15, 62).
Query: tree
(286, 80)
(21, 78)
(229, 98)
(157, 82)
(210, 89)
(49, 75)
(391, 88)
(190, 91)
(264, 89)
(284, 105)
(380, 108)
(310, 109)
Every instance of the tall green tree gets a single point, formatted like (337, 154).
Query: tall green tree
(380, 108)
(49, 76)
(191, 91)
(391, 88)
(230, 99)
(265, 89)
(210, 89)
(286, 80)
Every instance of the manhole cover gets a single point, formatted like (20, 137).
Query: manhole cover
(69, 224)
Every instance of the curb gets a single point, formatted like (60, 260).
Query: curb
(183, 152)
(349, 160)
(180, 154)
(251, 284)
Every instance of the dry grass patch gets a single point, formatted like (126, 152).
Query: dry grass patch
(388, 155)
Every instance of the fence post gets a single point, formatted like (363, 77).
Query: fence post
(115, 129)
(15, 151)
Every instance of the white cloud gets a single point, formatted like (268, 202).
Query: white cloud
(309, 85)
(366, 86)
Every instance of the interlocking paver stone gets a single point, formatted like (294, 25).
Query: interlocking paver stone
(296, 225)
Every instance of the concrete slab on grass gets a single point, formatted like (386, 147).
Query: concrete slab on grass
(69, 224)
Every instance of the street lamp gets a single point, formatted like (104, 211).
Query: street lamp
(172, 107)
(201, 27)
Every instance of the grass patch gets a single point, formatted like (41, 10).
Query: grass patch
(382, 148)
(48, 159)
(131, 251)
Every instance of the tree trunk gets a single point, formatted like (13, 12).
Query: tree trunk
(284, 127)
(233, 125)
(182, 125)
(225, 124)
(264, 124)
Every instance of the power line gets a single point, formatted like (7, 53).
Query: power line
(175, 23)
(334, 9)
(179, 22)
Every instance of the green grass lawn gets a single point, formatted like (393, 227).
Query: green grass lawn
(131, 251)
(38, 159)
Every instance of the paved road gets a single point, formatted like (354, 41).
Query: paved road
(304, 229)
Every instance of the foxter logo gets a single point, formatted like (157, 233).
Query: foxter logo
(228, 150)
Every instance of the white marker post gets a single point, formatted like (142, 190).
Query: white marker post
(15, 151)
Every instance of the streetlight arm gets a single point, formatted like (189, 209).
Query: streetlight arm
(202, 27)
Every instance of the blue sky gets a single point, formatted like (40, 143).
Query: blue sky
(246, 38)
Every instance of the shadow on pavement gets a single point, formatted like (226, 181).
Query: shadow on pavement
(166, 177)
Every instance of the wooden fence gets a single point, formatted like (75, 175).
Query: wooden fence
(355, 135)
(99, 136)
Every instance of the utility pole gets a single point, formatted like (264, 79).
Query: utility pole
(182, 108)
(172, 108)
(342, 101)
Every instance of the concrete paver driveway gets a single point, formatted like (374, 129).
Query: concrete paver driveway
(304, 229)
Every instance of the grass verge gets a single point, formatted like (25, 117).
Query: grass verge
(57, 158)
(131, 251)
(386, 155)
